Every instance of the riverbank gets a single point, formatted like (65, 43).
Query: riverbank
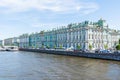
(107, 56)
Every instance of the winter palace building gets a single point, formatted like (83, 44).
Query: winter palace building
(97, 34)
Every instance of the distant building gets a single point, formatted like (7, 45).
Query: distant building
(1, 42)
(11, 41)
(8, 42)
(15, 41)
(24, 41)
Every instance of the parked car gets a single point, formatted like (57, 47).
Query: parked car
(98, 51)
(118, 51)
(105, 51)
(84, 50)
(102, 51)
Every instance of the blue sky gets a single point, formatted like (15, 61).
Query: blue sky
(27, 16)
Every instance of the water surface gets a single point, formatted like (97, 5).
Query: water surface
(37, 66)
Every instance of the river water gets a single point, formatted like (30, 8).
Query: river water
(37, 66)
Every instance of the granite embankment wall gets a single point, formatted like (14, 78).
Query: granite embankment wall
(108, 56)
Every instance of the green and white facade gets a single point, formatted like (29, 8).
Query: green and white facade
(97, 34)
(24, 41)
(36, 40)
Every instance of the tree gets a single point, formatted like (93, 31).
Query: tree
(118, 47)
(90, 46)
(106, 46)
(42, 32)
(37, 46)
(42, 45)
(32, 46)
(54, 46)
(78, 47)
(48, 46)
(119, 41)
(61, 47)
(1, 45)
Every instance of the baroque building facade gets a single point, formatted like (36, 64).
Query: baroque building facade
(24, 41)
(85, 34)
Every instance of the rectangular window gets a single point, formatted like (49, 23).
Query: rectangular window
(89, 36)
(92, 36)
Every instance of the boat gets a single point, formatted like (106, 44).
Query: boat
(11, 48)
(2, 49)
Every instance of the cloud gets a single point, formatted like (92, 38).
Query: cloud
(47, 26)
(60, 6)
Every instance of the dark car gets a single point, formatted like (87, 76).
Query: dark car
(118, 51)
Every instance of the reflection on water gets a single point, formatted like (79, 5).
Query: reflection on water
(36, 66)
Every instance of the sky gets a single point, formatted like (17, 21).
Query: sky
(28, 16)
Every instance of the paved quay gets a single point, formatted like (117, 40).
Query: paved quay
(108, 56)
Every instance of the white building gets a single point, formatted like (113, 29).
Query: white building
(11, 41)
(24, 41)
(96, 34)
(85, 34)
